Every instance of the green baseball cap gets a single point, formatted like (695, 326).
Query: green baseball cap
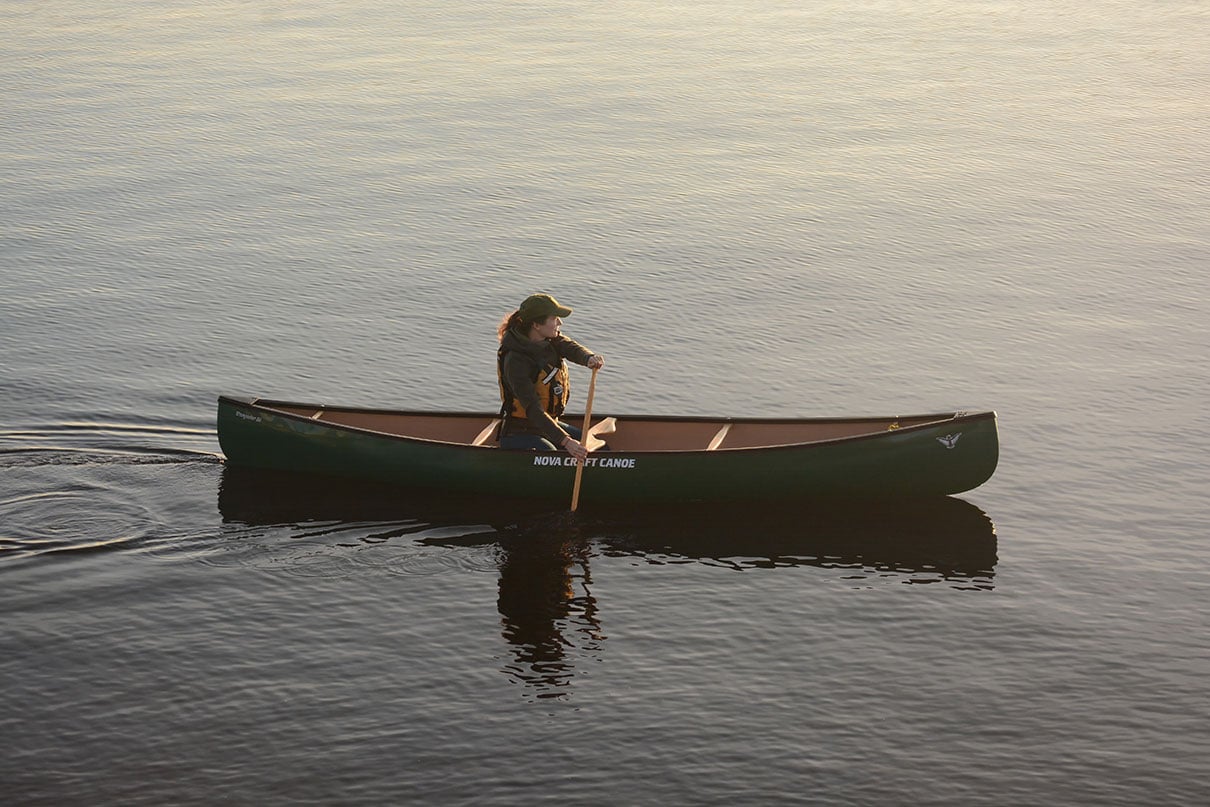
(541, 306)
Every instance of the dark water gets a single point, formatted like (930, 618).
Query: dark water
(769, 209)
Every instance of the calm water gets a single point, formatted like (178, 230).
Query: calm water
(768, 208)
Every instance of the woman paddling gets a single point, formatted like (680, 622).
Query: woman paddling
(534, 383)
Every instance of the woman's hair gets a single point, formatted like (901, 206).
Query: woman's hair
(512, 320)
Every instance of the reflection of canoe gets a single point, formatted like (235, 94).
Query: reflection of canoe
(650, 458)
(938, 538)
(920, 540)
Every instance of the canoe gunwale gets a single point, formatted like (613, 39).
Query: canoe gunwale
(934, 420)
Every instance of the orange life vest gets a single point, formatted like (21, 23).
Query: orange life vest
(552, 384)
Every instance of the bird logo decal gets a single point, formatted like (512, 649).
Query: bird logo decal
(950, 440)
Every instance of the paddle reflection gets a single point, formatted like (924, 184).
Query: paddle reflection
(549, 616)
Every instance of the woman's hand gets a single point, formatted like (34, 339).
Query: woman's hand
(575, 448)
(596, 361)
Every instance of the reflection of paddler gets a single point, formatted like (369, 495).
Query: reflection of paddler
(537, 593)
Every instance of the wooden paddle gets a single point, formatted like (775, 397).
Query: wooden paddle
(587, 432)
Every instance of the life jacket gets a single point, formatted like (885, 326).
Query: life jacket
(552, 384)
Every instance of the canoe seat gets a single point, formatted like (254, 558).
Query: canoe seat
(593, 439)
(486, 433)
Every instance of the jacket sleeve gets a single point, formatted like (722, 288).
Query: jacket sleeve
(519, 376)
(570, 349)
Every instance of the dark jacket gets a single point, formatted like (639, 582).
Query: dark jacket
(521, 362)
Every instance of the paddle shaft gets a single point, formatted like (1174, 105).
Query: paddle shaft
(592, 388)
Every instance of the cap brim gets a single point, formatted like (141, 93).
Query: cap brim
(562, 312)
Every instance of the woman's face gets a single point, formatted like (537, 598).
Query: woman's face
(548, 328)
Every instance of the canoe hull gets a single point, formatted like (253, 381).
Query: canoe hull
(936, 459)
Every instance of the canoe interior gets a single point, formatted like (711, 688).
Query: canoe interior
(632, 434)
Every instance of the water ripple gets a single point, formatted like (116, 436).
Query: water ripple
(73, 501)
(86, 518)
(129, 455)
(74, 437)
(335, 550)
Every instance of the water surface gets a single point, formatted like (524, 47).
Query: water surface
(770, 208)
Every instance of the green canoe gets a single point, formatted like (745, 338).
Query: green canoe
(647, 458)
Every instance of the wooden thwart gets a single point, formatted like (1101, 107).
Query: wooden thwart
(486, 433)
(718, 438)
